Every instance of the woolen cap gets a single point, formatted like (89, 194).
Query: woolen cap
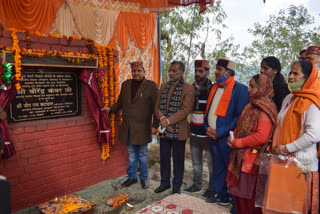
(226, 63)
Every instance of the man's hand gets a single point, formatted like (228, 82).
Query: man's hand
(106, 109)
(154, 131)
(212, 133)
(164, 122)
(230, 143)
(3, 115)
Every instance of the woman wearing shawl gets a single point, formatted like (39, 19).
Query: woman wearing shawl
(254, 129)
(298, 128)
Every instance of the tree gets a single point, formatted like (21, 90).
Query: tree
(178, 26)
(283, 36)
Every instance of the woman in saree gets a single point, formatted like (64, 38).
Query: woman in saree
(253, 132)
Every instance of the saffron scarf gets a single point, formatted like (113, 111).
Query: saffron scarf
(225, 99)
(292, 122)
(246, 125)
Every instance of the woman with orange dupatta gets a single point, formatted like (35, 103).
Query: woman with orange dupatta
(298, 128)
(252, 134)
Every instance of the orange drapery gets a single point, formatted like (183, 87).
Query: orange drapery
(158, 4)
(122, 33)
(156, 74)
(29, 15)
(140, 27)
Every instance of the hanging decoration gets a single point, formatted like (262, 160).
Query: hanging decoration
(5, 73)
(106, 74)
(17, 58)
(112, 82)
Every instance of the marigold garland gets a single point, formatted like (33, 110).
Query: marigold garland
(17, 58)
(102, 56)
(105, 59)
(112, 92)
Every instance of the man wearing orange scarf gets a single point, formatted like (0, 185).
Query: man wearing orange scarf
(226, 101)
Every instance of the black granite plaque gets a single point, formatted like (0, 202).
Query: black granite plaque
(46, 94)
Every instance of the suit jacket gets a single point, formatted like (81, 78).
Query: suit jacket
(186, 106)
(239, 99)
(138, 116)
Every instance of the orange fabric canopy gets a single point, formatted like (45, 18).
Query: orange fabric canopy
(29, 15)
(170, 3)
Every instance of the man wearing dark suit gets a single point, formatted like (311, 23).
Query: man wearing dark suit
(137, 100)
(174, 104)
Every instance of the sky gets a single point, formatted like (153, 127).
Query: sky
(242, 14)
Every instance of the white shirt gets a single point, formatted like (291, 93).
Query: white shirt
(212, 117)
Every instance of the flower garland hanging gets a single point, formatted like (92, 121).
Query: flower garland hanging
(112, 92)
(17, 58)
(102, 56)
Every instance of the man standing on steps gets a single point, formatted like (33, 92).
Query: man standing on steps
(137, 100)
(200, 141)
(173, 106)
(226, 100)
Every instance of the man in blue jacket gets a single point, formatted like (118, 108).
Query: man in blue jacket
(226, 100)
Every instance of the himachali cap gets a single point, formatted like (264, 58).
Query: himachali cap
(136, 64)
(226, 63)
(313, 50)
(201, 63)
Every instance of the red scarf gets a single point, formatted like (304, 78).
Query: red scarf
(225, 99)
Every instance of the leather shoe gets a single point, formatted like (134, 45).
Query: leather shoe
(176, 190)
(161, 189)
(145, 183)
(129, 182)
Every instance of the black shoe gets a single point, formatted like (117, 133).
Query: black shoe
(161, 189)
(129, 182)
(145, 183)
(176, 190)
(193, 189)
(208, 193)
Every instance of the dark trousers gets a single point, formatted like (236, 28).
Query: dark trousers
(5, 203)
(178, 149)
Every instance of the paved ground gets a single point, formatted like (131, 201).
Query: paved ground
(139, 197)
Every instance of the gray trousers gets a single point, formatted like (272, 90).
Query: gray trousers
(197, 145)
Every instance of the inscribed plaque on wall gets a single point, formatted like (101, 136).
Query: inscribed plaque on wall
(46, 94)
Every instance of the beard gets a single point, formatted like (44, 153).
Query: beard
(200, 79)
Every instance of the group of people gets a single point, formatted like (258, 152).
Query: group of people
(232, 123)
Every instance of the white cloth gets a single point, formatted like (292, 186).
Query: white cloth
(96, 24)
(305, 147)
(212, 117)
(64, 21)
